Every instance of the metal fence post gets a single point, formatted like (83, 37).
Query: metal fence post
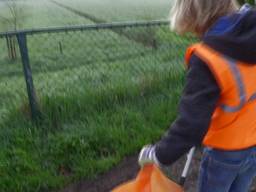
(22, 41)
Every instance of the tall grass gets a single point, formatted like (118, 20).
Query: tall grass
(103, 96)
(84, 136)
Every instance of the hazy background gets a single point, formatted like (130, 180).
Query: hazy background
(45, 13)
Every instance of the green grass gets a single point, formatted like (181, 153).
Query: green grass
(98, 105)
(122, 10)
(89, 140)
(39, 13)
(102, 97)
(43, 13)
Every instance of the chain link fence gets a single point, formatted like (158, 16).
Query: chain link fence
(63, 67)
(13, 90)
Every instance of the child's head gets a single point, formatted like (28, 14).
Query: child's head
(197, 16)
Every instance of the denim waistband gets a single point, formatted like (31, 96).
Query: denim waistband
(234, 153)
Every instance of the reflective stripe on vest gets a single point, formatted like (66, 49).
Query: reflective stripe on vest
(242, 94)
(253, 97)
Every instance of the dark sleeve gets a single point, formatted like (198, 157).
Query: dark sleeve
(196, 107)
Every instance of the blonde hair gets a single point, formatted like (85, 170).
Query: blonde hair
(197, 16)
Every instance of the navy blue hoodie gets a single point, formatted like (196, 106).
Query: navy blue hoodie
(234, 36)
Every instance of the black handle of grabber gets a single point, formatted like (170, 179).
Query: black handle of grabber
(187, 166)
(182, 181)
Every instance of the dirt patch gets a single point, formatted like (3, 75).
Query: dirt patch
(123, 172)
(128, 169)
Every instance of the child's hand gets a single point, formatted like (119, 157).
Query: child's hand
(147, 156)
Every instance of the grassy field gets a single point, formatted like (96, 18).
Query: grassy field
(103, 95)
(44, 13)
(122, 10)
(38, 13)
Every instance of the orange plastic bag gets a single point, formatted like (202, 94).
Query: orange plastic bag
(150, 179)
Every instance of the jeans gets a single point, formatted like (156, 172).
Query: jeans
(227, 171)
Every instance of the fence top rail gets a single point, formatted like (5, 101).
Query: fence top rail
(114, 25)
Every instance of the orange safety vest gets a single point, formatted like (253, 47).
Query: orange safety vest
(233, 123)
